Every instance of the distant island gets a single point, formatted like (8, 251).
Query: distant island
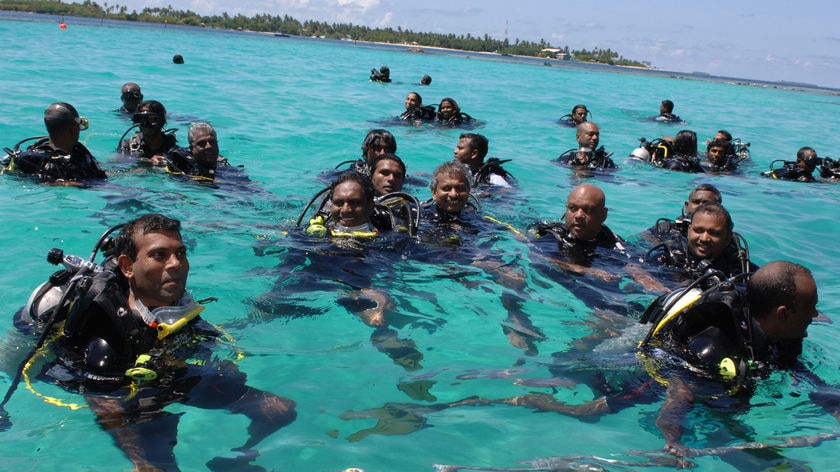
(286, 25)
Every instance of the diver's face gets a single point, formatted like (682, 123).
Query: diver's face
(387, 177)
(717, 154)
(579, 115)
(464, 151)
(412, 101)
(205, 148)
(588, 135)
(446, 109)
(585, 213)
(451, 193)
(708, 235)
(349, 207)
(158, 275)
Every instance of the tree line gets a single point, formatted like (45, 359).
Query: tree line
(288, 25)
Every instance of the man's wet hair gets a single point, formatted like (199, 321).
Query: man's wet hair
(716, 209)
(707, 188)
(379, 139)
(145, 224)
(774, 285)
(718, 143)
(388, 156)
(686, 142)
(479, 142)
(361, 179)
(451, 168)
(197, 127)
(669, 106)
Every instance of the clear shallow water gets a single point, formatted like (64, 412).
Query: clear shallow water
(287, 109)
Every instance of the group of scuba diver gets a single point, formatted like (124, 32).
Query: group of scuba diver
(125, 332)
(724, 154)
(60, 159)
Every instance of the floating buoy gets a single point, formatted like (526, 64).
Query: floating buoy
(62, 25)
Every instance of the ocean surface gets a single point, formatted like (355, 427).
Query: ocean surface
(287, 109)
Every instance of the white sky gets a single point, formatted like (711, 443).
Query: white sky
(771, 40)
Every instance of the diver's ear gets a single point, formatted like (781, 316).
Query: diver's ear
(126, 265)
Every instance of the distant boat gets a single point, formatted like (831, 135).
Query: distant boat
(281, 35)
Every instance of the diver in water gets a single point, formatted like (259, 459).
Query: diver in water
(471, 150)
(133, 342)
(709, 244)
(131, 97)
(666, 113)
(59, 159)
(717, 158)
(710, 347)
(382, 75)
(415, 111)
(376, 142)
(801, 171)
(202, 159)
(151, 143)
(666, 230)
(684, 157)
(352, 230)
(588, 155)
(450, 114)
(580, 114)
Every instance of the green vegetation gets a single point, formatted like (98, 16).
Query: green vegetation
(289, 25)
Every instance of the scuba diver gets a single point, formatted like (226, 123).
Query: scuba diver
(672, 231)
(709, 347)
(579, 114)
(57, 159)
(382, 75)
(587, 155)
(718, 159)
(666, 113)
(128, 335)
(801, 171)
(351, 241)
(151, 143)
(376, 142)
(131, 97)
(709, 244)
(678, 154)
(471, 150)
(350, 207)
(415, 111)
(450, 114)
(202, 159)
(830, 169)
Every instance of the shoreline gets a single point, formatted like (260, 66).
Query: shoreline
(420, 49)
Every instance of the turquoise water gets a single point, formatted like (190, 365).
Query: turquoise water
(288, 108)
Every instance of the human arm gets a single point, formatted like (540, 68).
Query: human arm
(679, 400)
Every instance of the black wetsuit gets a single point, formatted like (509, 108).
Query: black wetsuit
(599, 159)
(421, 113)
(454, 120)
(48, 164)
(791, 171)
(605, 252)
(683, 163)
(182, 161)
(492, 166)
(135, 146)
(675, 253)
